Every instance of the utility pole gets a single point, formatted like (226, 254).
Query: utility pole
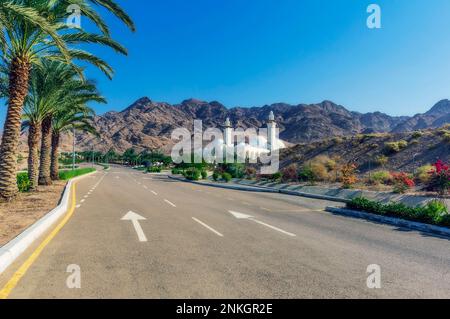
(73, 149)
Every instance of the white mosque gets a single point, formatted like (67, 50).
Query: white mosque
(255, 147)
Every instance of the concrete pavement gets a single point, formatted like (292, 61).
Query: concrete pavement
(201, 243)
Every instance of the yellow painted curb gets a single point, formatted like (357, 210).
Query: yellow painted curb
(12, 283)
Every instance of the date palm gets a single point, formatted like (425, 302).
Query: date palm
(32, 30)
(46, 91)
(77, 116)
(72, 112)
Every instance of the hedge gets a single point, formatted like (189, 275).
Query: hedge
(435, 212)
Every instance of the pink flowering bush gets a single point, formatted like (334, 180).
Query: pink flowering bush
(440, 178)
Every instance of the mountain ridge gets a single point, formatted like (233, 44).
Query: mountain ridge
(147, 124)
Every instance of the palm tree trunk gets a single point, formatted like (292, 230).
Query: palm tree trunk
(55, 155)
(46, 145)
(34, 136)
(19, 74)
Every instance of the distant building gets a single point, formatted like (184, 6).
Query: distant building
(260, 145)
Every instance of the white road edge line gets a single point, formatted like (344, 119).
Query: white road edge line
(207, 227)
(170, 203)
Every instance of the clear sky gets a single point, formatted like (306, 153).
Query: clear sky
(256, 52)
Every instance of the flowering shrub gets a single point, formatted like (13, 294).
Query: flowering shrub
(349, 177)
(440, 178)
(402, 182)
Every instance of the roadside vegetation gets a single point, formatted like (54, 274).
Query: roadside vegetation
(44, 85)
(435, 212)
(66, 175)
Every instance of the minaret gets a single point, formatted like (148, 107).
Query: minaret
(228, 132)
(271, 132)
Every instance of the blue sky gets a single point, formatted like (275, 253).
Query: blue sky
(256, 52)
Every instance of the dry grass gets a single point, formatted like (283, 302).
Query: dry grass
(20, 214)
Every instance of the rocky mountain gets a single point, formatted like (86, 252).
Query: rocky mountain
(438, 116)
(149, 124)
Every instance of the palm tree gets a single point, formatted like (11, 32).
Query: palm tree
(14, 21)
(31, 30)
(72, 113)
(46, 91)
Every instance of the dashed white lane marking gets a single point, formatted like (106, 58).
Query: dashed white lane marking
(207, 227)
(242, 216)
(82, 201)
(145, 187)
(170, 203)
(266, 209)
(154, 193)
(274, 228)
(86, 196)
(78, 206)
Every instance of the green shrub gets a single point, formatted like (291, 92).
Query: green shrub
(306, 174)
(23, 183)
(204, 174)
(66, 175)
(446, 137)
(193, 174)
(382, 177)
(417, 135)
(176, 171)
(423, 173)
(395, 147)
(437, 211)
(154, 169)
(277, 177)
(227, 177)
(434, 212)
(216, 176)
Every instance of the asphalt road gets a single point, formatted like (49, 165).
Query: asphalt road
(191, 246)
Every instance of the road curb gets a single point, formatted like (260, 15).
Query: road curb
(12, 250)
(263, 189)
(314, 196)
(442, 231)
(240, 188)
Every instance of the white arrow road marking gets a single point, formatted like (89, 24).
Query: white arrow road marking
(240, 215)
(135, 218)
(207, 227)
(170, 203)
(244, 216)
